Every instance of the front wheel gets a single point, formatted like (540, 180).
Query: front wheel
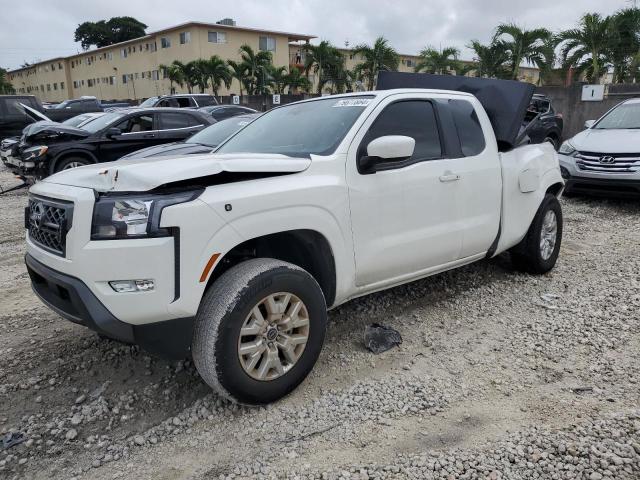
(538, 251)
(259, 331)
(71, 162)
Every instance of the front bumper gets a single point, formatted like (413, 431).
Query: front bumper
(598, 183)
(72, 299)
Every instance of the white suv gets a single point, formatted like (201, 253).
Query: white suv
(604, 159)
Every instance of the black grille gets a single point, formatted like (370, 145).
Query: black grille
(48, 222)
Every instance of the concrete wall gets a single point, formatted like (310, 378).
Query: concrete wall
(567, 100)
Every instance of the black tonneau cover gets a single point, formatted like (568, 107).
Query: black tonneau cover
(505, 101)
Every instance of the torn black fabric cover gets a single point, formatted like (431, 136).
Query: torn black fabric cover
(505, 101)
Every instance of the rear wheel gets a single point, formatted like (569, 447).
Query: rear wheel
(259, 331)
(538, 251)
(70, 162)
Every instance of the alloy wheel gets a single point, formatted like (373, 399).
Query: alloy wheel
(273, 336)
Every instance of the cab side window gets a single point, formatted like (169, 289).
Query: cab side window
(468, 127)
(139, 123)
(411, 118)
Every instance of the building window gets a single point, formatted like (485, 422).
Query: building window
(112, 80)
(53, 67)
(165, 42)
(217, 37)
(155, 75)
(136, 76)
(123, 53)
(267, 44)
(124, 78)
(59, 65)
(185, 37)
(61, 85)
(55, 86)
(109, 56)
(90, 82)
(75, 84)
(153, 47)
(48, 87)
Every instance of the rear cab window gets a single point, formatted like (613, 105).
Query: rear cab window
(468, 127)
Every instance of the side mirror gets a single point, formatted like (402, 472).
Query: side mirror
(589, 123)
(113, 132)
(390, 148)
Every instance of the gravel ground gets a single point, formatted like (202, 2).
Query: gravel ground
(501, 375)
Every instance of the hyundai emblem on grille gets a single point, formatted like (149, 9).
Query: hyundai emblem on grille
(607, 159)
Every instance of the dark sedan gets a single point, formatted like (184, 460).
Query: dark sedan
(49, 147)
(204, 142)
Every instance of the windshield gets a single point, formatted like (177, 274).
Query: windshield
(102, 121)
(149, 102)
(75, 121)
(623, 116)
(216, 133)
(299, 129)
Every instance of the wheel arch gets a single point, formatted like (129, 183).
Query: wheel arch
(71, 153)
(306, 248)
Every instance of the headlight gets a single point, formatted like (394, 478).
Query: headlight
(133, 216)
(566, 148)
(34, 152)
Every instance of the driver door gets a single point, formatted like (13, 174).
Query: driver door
(137, 132)
(405, 217)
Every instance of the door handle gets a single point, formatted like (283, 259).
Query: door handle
(149, 135)
(449, 177)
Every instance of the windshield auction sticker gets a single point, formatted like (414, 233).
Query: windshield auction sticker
(353, 102)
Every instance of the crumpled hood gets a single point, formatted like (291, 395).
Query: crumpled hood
(53, 128)
(607, 141)
(141, 175)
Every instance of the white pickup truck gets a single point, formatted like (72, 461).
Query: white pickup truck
(234, 257)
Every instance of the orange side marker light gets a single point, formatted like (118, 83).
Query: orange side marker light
(208, 267)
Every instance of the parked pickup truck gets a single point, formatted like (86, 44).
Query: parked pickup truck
(234, 257)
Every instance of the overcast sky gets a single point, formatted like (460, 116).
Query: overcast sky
(41, 29)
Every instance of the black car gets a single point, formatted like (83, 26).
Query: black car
(203, 142)
(14, 117)
(548, 126)
(181, 100)
(49, 147)
(221, 112)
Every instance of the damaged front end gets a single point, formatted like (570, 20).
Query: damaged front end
(28, 155)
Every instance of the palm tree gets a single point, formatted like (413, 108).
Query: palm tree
(296, 81)
(239, 72)
(217, 72)
(5, 85)
(279, 77)
(174, 73)
(624, 41)
(379, 57)
(319, 58)
(440, 62)
(257, 68)
(490, 59)
(188, 71)
(522, 45)
(585, 48)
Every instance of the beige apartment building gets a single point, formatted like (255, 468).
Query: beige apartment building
(131, 69)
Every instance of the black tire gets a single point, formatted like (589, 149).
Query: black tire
(223, 310)
(527, 255)
(67, 163)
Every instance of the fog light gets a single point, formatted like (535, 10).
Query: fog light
(122, 286)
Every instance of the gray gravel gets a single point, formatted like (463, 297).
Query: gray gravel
(500, 375)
